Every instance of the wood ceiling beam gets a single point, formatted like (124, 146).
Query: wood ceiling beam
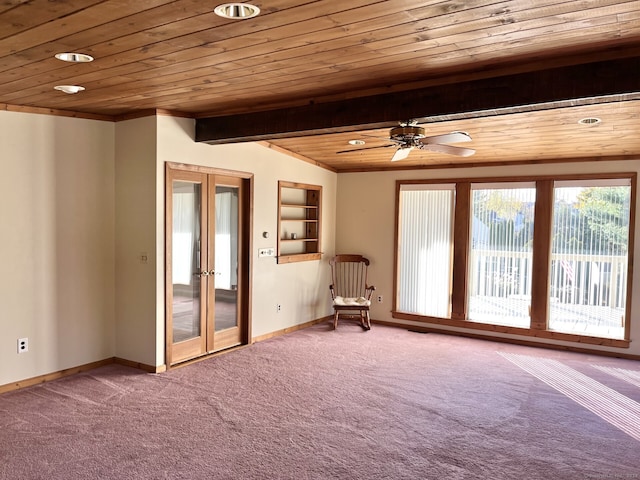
(597, 82)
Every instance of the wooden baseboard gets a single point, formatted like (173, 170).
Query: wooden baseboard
(161, 368)
(515, 341)
(54, 375)
(253, 340)
(140, 366)
(291, 329)
(29, 382)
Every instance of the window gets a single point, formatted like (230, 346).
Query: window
(468, 255)
(589, 257)
(501, 253)
(425, 256)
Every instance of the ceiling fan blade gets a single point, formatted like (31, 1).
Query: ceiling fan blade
(353, 150)
(448, 149)
(401, 153)
(455, 137)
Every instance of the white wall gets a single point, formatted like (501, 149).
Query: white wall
(366, 214)
(56, 243)
(301, 288)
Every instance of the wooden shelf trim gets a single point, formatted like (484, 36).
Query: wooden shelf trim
(298, 257)
(306, 200)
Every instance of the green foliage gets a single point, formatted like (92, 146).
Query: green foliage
(568, 233)
(507, 217)
(606, 211)
(595, 222)
(504, 206)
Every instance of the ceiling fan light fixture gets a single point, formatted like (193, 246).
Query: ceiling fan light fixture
(74, 57)
(70, 89)
(589, 121)
(236, 11)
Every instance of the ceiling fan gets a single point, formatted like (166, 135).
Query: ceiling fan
(409, 135)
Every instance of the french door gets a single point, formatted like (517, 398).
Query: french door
(206, 263)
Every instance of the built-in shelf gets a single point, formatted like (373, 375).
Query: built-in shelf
(299, 220)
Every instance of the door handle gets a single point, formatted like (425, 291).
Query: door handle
(205, 273)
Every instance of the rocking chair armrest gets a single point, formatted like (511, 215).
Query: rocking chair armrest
(369, 291)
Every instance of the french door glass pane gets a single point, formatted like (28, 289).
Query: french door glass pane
(501, 251)
(185, 260)
(589, 257)
(226, 258)
(425, 250)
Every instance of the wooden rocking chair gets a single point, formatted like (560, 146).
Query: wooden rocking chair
(350, 292)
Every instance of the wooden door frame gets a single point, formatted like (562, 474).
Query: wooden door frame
(245, 265)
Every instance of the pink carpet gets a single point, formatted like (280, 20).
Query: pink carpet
(345, 404)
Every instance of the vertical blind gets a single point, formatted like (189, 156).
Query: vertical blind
(589, 257)
(425, 249)
(501, 253)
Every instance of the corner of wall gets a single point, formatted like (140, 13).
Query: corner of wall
(137, 253)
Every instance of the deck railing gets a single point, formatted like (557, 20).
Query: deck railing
(597, 280)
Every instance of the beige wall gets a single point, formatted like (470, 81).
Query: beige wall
(301, 288)
(366, 212)
(83, 201)
(142, 148)
(135, 186)
(56, 243)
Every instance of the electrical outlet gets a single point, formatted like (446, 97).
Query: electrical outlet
(23, 345)
(379, 298)
(278, 308)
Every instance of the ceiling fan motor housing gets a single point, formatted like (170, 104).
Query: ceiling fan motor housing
(407, 133)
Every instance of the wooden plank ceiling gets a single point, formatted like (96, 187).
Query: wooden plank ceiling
(179, 56)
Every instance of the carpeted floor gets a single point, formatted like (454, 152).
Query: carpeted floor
(344, 404)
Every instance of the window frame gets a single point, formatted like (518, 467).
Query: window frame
(542, 246)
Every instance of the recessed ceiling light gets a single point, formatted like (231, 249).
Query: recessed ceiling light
(69, 88)
(356, 142)
(589, 121)
(236, 11)
(74, 57)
